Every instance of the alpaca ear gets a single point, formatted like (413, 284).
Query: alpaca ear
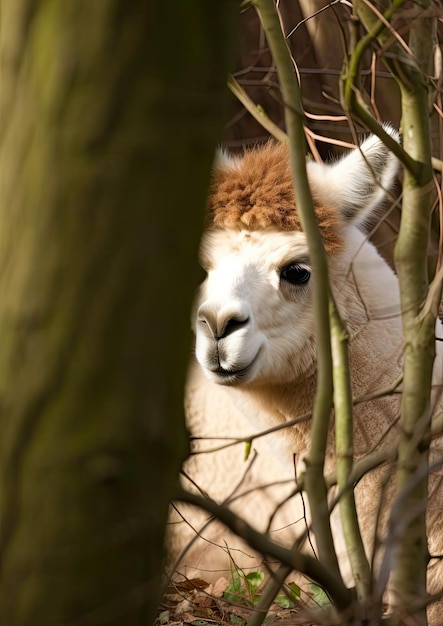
(360, 181)
(224, 159)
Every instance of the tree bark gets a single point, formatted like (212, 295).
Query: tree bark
(109, 115)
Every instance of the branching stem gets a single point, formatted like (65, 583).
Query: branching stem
(314, 479)
(409, 69)
(295, 559)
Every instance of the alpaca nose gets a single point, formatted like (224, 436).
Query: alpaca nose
(222, 323)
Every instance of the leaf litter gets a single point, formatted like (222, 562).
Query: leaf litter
(196, 602)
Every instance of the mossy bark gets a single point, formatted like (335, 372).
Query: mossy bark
(109, 115)
(411, 261)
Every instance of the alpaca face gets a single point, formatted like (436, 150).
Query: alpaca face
(254, 318)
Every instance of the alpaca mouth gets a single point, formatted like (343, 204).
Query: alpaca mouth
(230, 377)
(233, 376)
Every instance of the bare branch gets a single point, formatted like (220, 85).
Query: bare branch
(344, 453)
(303, 563)
(256, 111)
(314, 478)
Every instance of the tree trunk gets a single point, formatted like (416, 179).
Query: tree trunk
(109, 115)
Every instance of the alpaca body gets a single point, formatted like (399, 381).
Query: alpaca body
(256, 352)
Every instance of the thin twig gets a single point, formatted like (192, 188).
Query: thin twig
(344, 457)
(256, 111)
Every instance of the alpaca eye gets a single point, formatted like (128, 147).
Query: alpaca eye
(295, 274)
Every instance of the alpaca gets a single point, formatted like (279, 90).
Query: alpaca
(255, 365)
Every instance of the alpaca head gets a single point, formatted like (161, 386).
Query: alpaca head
(254, 319)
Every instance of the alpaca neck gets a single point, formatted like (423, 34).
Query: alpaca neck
(273, 405)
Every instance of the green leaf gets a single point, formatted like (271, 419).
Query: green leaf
(284, 602)
(247, 450)
(234, 591)
(254, 580)
(295, 591)
(319, 596)
(235, 585)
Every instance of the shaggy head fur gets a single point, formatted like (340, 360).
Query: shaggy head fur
(256, 193)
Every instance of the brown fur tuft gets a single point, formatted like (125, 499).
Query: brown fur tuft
(257, 194)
